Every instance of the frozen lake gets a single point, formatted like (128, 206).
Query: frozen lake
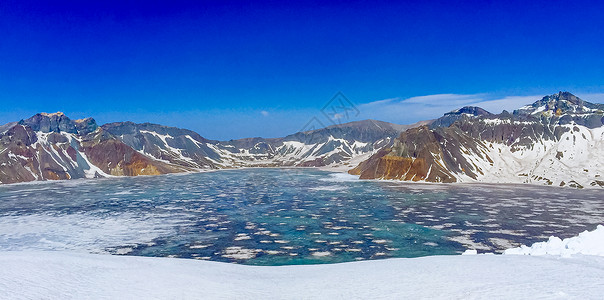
(286, 216)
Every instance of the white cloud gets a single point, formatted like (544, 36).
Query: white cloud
(451, 99)
(411, 110)
(264, 113)
(593, 97)
(508, 103)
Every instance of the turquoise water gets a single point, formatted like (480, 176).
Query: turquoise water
(286, 216)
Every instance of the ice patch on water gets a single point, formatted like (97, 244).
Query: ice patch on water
(468, 242)
(124, 250)
(79, 232)
(340, 177)
(240, 253)
(328, 188)
(125, 192)
(242, 237)
(321, 253)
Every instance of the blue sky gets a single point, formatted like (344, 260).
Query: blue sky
(232, 69)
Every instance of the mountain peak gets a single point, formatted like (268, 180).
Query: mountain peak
(59, 122)
(566, 96)
(470, 110)
(57, 114)
(465, 112)
(559, 104)
(561, 98)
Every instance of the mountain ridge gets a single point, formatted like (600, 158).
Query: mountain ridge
(554, 141)
(51, 146)
(464, 145)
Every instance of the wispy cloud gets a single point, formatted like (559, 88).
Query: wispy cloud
(508, 103)
(264, 113)
(410, 110)
(450, 99)
(593, 97)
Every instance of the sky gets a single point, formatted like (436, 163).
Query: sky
(234, 69)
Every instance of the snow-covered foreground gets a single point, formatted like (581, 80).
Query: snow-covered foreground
(60, 275)
(65, 275)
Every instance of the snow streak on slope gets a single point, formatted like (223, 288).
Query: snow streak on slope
(576, 159)
(331, 146)
(333, 153)
(46, 155)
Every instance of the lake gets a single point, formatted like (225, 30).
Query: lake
(286, 216)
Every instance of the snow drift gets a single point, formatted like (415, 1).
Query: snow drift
(587, 242)
(64, 275)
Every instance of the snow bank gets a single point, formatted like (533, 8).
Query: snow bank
(64, 275)
(470, 252)
(67, 275)
(587, 242)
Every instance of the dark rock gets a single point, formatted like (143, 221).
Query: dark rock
(56, 122)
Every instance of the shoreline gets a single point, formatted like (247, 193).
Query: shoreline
(336, 169)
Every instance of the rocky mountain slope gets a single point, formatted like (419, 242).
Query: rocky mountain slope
(558, 140)
(52, 146)
(327, 146)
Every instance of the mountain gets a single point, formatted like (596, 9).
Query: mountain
(330, 146)
(322, 147)
(52, 146)
(172, 145)
(557, 140)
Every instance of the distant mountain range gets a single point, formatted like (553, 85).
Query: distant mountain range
(557, 140)
(52, 146)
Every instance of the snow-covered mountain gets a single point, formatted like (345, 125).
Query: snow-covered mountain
(558, 140)
(52, 146)
(330, 146)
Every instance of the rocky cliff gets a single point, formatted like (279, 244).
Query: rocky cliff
(52, 147)
(557, 140)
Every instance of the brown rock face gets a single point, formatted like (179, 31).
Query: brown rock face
(59, 150)
(25, 160)
(392, 167)
(116, 158)
(420, 154)
(403, 168)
